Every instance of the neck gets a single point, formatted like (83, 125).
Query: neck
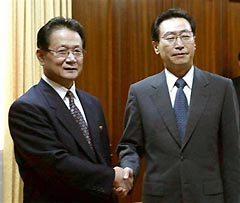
(179, 71)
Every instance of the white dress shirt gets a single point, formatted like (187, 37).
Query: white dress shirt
(171, 79)
(62, 93)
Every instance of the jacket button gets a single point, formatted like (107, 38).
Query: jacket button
(182, 157)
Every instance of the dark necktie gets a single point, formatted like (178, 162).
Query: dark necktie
(181, 107)
(79, 118)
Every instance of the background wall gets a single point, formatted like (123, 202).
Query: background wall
(119, 49)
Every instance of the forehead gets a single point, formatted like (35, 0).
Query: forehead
(174, 25)
(64, 36)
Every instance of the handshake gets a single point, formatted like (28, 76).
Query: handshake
(123, 181)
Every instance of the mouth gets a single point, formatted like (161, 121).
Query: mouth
(70, 68)
(180, 54)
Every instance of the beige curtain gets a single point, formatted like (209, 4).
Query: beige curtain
(23, 70)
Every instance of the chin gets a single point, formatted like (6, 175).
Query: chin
(71, 76)
(182, 65)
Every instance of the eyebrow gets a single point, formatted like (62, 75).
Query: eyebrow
(173, 32)
(69, 47)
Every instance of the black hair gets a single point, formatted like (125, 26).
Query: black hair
(171, 13)
(57, 23)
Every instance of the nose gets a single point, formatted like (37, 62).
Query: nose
(71, 56)
(179, 43)
(179, 40)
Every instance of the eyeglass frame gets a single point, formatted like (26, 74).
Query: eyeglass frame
(66, 53)
(175, 35)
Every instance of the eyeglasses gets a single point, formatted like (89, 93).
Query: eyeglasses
(65, 53)
(185, 36)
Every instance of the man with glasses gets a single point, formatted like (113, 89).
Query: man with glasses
(59, 132)
(184, 122)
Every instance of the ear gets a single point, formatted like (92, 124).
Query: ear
(194, 43)
(155, 47)
(40, 55)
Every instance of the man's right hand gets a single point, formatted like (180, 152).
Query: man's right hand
(123, 181)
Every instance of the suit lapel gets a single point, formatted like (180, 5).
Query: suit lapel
(199, 99)
(68, 121)
(94, 128)
(65, 118)
(161, 99)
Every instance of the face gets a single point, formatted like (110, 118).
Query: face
(176, 45)
(60, 69)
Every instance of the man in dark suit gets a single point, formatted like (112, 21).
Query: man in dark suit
(195, 159)
(60, 159)
(236, 81)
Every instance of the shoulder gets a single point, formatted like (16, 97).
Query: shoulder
(40, 95)
(211, 77)
(30, 96)
(153, 80)
(30, 105)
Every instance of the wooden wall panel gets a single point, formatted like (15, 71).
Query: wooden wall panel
(119, 50)
(96, 77)
(137, 56)
(231, 30)
(208, 20)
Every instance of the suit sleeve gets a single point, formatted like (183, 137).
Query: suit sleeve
(130, 148)
(230, 141)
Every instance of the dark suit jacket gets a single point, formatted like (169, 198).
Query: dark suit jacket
(205, 168)
(236, 83)
(54, 159)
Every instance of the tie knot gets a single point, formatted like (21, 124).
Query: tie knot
(69, 94)
(180, 83)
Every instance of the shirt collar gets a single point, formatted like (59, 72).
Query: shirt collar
(171, 78)
(59, 88)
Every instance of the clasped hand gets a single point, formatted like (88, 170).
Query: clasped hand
(123, 181)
